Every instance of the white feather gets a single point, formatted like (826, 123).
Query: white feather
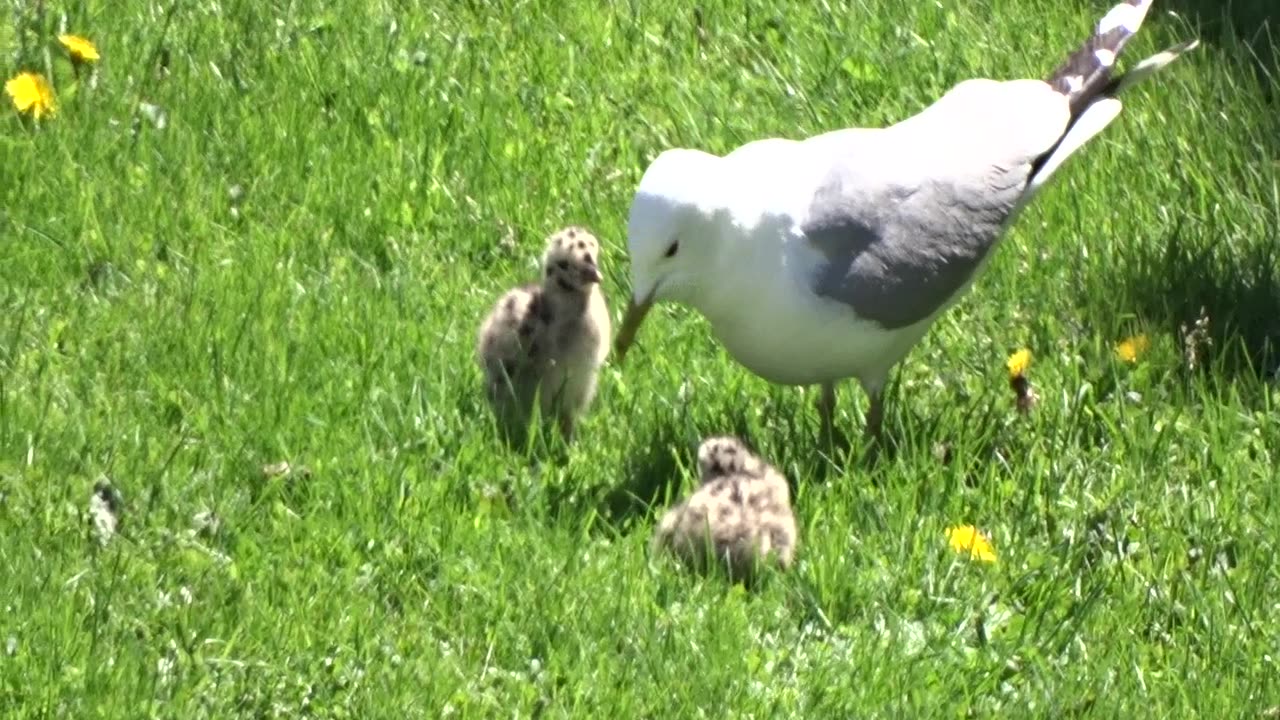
(1154, 64)
(1130, 16)
(1094, 120)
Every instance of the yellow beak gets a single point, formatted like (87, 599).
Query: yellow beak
(630, 325)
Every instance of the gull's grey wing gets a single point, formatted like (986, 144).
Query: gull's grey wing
(897, 253)
(904, 216)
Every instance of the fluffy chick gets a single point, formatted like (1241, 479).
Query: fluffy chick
(546, 342)
(742, 509)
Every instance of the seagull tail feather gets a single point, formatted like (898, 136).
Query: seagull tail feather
(1086, 79)
(1086, 73)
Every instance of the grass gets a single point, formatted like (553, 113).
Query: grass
(294, 266)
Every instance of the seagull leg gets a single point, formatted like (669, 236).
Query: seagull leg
(874, 431)
(827, 408)
(875, 416)
(567, 426)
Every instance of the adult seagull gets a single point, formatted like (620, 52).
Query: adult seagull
(826, 258)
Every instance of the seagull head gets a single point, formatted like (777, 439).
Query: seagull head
(671, 237)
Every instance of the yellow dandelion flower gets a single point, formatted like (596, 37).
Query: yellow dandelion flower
(1130, 349)
(967, 539)
(80, 49)
(31, 93)
(1019, 362)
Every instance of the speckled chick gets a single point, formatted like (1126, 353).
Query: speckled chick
(546, 342)
(743, 507)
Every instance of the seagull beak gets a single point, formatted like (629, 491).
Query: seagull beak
(591, 274)
(630, 324)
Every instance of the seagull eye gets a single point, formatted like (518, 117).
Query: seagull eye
(563, 264)
(671, 251)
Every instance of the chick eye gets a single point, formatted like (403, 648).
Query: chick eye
(671, 251)
(563, 264)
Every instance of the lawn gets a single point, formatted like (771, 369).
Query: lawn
(266, 232)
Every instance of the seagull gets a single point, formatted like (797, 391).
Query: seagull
(830, 257)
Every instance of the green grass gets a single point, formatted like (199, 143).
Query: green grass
(396, 166)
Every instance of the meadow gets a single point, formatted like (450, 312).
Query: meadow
(241, 272)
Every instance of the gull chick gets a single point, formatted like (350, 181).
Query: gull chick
(740, 517)
(828, 258)
(545, 342)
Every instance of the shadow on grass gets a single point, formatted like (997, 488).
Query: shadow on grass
(653, 471)
(1252, 21)
(1251, 27)
(1236, 289)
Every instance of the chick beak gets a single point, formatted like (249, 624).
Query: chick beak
(630, 324)
(591, 274)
